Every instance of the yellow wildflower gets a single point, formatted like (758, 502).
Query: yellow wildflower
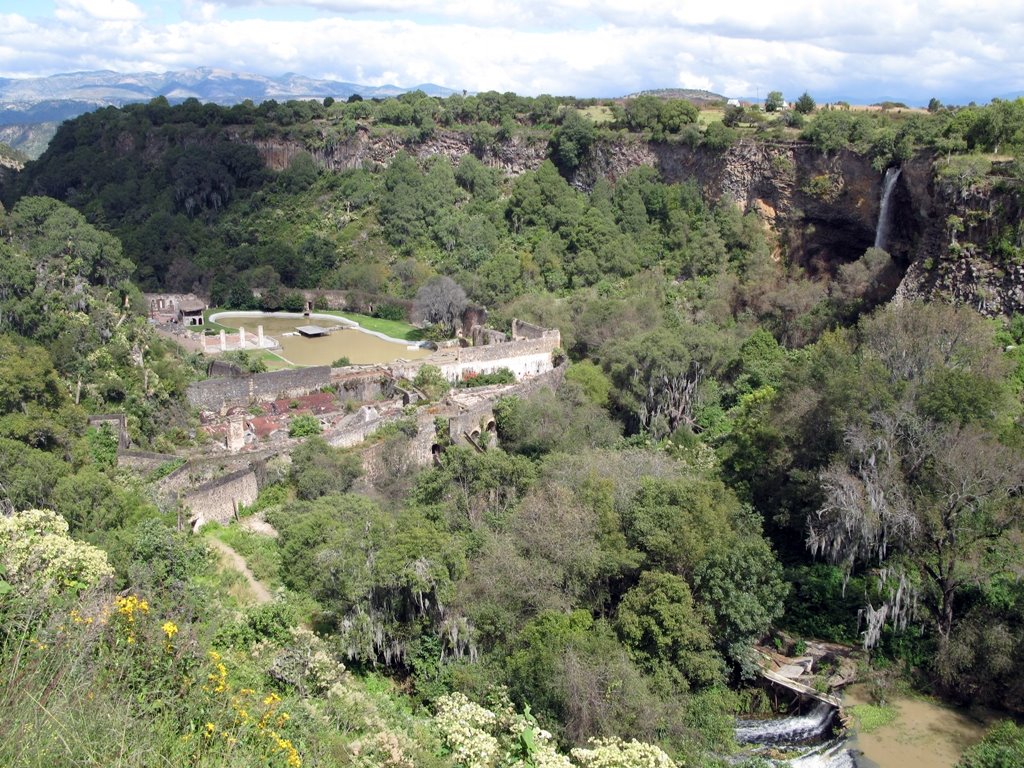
(271, 699)
(219, 678)
(170, 629)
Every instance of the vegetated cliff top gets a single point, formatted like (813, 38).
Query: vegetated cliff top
(696, 95)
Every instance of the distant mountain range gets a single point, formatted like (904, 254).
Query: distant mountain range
(59, 97)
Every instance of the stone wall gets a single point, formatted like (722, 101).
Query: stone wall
(524, 330)
(218, 500)
(221, 394)
(143, 461)
(525, 358)
(363, 386)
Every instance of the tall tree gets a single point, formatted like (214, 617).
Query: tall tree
(440, 301)
(805, 104)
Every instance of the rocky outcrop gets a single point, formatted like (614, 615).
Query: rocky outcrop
(971, 244)
(514, 157)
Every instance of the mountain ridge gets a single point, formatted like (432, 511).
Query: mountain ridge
(69, 94)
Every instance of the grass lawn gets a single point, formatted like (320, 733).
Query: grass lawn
(211, 326)
(708, 116)
(394, 328)
(272, 361)
(598, 113)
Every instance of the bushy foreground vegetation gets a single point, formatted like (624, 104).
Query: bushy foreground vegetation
(736, 446)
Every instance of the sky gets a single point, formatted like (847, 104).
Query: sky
(955, 50)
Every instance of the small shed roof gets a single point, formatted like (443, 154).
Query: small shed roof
(190, 305)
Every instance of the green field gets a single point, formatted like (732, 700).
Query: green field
(598, 113)
(709, 116)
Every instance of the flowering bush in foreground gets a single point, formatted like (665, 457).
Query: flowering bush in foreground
(481, 738)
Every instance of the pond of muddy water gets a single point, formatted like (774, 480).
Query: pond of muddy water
(360, 347)
(926, 734)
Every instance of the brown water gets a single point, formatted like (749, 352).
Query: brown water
(359, 347)
(925, 735)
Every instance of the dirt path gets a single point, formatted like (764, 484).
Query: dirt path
(260, 594)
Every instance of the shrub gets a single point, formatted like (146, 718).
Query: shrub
(39, 555)
(1002, 747)
(430, 381)
(500, 376)
(390, 312)
(304, 426)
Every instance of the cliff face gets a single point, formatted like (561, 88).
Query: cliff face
(972, 248)
(513, 157)
(824, 208)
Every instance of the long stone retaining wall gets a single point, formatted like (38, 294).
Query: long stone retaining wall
(220, 394)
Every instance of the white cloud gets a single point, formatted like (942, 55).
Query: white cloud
(104, 10)
(609, 47)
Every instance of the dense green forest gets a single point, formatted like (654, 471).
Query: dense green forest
(738, 447)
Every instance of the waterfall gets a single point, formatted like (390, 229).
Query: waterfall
(892, 175)
(807, 738)
(787, 730)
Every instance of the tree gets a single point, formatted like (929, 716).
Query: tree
(659, 623)
(937, 507)
(318, 469)
(774, 102)
(805, 104)
(743, 588)
(440, 301)
(660, 377)
(571, 141)
(918, 487)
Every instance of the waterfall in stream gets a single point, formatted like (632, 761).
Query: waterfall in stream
(811, 733)
(787, 730)
(892, 175)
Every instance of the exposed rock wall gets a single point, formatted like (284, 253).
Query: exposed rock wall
(968, 238)
(514, 156)
(822, 208)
